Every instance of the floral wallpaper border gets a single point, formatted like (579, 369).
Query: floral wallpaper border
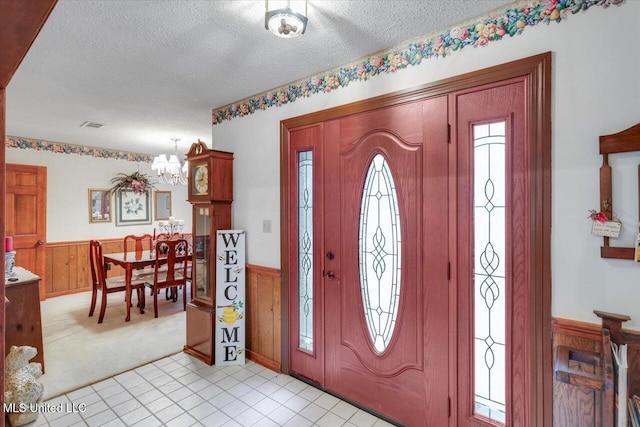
(62, 148)
(480, 32)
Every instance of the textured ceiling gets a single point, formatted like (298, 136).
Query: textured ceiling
(153, 70)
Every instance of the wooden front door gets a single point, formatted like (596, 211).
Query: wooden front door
(457, 177)
(381, 261)
(26, 217)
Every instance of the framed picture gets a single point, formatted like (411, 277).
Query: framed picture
(162, 205)
(99, 205)
(132, 208)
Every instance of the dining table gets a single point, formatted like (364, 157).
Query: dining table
(135, 260)
(131, 261)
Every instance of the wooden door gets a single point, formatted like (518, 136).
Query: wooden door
(380, 221)
(437, 292)
(26, 214)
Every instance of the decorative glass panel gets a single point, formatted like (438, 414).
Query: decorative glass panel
(202, 252)
(305, 250)
(379, 250)
(489, 270)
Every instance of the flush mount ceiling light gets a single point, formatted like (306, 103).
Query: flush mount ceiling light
(286, 18)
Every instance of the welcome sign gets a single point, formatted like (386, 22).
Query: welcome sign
(230, 297)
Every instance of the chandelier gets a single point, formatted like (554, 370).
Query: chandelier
(286, 18)
(171, 171)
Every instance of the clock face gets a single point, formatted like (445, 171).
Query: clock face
(201, 179)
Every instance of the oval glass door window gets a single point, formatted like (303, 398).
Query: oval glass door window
(379, 252)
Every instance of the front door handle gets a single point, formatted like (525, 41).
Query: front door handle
(40, 242)
(329, 275)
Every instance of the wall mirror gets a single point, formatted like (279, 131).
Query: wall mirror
(162, 205)
(99, 205)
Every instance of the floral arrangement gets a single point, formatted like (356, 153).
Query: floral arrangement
(598, 216)
(137, 181)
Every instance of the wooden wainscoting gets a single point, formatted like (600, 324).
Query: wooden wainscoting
(573, 406)
(68, 269)
(264, 297)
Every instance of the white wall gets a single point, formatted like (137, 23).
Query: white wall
(69, 177)
(596, 91)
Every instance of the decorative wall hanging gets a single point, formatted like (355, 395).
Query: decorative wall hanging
(133, 208)
(138, 182)
(622, 142)
(603, 227)
(99, 205)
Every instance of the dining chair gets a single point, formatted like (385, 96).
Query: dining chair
(169, 271)
(169, 293)
(162, 236)
(189, 260)
(159, 237)
(107, 285)
(137, 243)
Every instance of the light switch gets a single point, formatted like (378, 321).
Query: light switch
(266, 226)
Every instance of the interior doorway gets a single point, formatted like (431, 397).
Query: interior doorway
(26, 217)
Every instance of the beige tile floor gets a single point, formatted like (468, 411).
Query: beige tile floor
(180, 391)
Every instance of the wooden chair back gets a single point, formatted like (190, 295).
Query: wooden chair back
(98, 270)
(137, 243)
(168, 253)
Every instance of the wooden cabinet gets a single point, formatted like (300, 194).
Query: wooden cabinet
(23, 321)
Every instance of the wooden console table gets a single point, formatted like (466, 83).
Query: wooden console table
(23, 321)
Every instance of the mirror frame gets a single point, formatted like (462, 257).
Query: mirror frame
(109, 205)
(156, 202)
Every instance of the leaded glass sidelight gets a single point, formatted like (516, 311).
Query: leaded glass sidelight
(489, 207)
(305, 250)
(379, 252)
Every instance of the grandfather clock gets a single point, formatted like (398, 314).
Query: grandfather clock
(210, 193)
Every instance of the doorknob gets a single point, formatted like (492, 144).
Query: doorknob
(40, 242)
(329, 275)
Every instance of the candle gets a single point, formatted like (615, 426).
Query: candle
(8, 244)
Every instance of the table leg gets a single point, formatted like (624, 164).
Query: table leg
(127, 282)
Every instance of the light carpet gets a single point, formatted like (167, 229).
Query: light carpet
(78, 351)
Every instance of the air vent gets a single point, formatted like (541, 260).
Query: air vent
(91, 125)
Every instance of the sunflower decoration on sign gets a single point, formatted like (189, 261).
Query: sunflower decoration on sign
(139, 182)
